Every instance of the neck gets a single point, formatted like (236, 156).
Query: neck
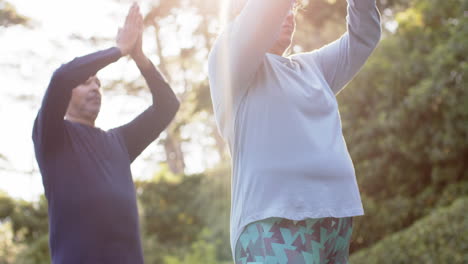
(277, 51)
(80, 120)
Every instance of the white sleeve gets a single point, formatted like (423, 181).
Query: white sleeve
(239, 52)
(342, 59)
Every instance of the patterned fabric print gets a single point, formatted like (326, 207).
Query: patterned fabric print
(283, 241)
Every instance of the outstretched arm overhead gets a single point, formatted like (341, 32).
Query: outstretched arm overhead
(240, 50)
(342, 59)
(252, 34)
(48, 126)
(146, 127)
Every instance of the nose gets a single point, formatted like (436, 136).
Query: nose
(291, 15)
(290, 19)
(94, 88)
(95, 85)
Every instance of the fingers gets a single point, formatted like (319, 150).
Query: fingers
(138, 19)
(131, 30)
(139, 23)
(134, 20)
(133, 15)
(129, 15)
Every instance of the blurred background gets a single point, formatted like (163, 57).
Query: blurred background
(405, 120)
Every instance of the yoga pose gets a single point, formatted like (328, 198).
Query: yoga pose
(93, 216)
(294, 190)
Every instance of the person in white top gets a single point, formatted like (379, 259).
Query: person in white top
(294, 189)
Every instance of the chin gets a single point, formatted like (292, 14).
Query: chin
(286, 48)
(93, 113)
(285, 44)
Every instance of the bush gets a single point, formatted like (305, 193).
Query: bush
(392, 215)
(441, 237)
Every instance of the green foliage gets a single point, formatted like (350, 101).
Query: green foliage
(170, 211)
(6, 206)
(29, 220)
(37, 252)
(215, 203)
(8, 249)
(201, 252)
(9, 15)
(385, 217)
(24, 233)
(175, 209)
(441, 238)
(405, 119)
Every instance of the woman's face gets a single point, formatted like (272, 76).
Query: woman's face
(287, 30)
(286, 34)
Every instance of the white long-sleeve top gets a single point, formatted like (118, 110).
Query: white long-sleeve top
(280, 116)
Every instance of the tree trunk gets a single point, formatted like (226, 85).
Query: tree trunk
(174, 155)
(172, 145)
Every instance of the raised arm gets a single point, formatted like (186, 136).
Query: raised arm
(342, 59)
(48, 126)
(146, 127)
(240, 50)
(252, 34)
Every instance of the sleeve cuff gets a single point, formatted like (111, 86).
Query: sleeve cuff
(362, 4)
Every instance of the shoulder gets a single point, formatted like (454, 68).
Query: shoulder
(116, 133)
(306, 57)
(221, 45)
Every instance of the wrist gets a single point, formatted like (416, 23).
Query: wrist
(123, 51)
(141, 60)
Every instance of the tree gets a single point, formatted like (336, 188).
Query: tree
(429, 240)
(9, 16)
(27, 227)
(170, 215)
(405, 118)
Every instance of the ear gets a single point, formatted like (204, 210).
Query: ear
(69, 106)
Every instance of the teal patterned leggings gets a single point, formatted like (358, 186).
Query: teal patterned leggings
(283, 241)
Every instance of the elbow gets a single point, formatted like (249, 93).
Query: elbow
(170, 106)
(372, 39)
(60, 74)
(378, 35)
(35, 130)
(370, 32)
(373, 42)
(175, 106)
(373, 34)
(377, 30)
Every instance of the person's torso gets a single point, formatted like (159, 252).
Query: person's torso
(92, 203)
(288, 149)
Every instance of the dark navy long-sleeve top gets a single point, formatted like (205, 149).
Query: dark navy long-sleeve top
(93, 216)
